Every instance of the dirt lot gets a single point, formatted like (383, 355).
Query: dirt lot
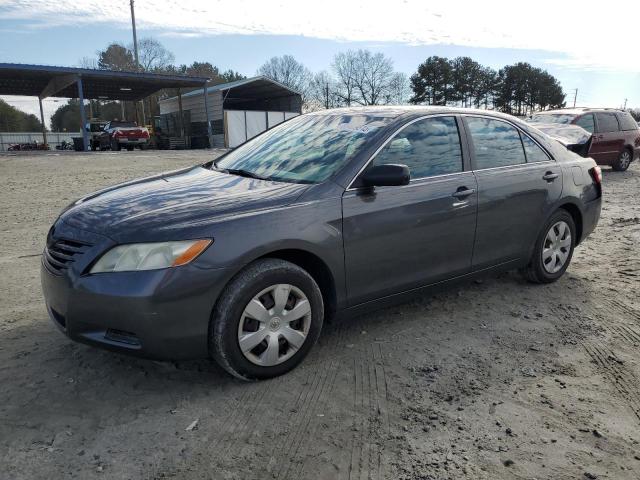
(498, 379)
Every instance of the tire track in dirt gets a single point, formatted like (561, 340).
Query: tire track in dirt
(310, 400)
(624, 380)
(370, 414)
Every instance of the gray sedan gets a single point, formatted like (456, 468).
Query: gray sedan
(325, 215)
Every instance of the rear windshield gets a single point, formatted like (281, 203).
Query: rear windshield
(123, 124)
(552, 118)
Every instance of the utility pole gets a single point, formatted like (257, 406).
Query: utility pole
(575, 96)
(326, 102)
(135, 37)
(135, 51)
(625, 104)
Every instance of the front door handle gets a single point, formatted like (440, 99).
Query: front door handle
(464, 192)
(550, 176)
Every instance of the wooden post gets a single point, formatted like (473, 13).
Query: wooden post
(180, 117)
(206, 111)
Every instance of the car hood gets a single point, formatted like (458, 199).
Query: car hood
(185, 201)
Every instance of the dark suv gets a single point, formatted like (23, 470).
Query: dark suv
(616, 137)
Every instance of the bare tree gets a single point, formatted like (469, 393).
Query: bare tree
(322, 92)
(152, 55)
(373, 76)
(88, 62)
(399, 89)
(288, 71)
(344, 65)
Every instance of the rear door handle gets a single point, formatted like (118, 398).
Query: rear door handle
(550, 176)
(464, 192)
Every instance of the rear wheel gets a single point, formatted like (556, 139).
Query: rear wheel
(553, 250)
(266, 320)
(623, 161)
(130, 148)
(115, 146)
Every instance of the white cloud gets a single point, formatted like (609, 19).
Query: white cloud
(580, 35)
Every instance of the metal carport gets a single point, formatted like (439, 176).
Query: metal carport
(46, 81)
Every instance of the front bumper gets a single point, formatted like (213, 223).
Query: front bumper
(160, 314)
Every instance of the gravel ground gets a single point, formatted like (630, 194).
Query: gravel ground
(497, 379)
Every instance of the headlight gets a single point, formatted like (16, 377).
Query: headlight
(149, 256)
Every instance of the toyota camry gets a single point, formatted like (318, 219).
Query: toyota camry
(243, 258)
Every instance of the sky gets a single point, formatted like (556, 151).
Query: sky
(583, 49)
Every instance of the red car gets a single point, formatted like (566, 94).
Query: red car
(118, 134)
(615, 134)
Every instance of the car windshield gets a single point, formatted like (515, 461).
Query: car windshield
(123, 124)
(552, 118)
(305, 149)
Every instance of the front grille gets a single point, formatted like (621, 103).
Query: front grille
(61, 253)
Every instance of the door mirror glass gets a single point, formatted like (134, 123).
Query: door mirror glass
(386, 175)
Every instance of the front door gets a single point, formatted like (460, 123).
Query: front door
(517, 184)
(403, 237)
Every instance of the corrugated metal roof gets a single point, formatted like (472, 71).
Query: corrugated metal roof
(31, 80)
(236, 84)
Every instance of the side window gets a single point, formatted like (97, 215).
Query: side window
(607, 122)
(496, 143)
(532, 150)
(428, 147)
(627, 122)
(586, 122)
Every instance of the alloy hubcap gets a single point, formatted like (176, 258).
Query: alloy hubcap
(557, 246)
(625, 159)
(274, 325)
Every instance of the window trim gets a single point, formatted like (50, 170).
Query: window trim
(461, 137)
(472, 152)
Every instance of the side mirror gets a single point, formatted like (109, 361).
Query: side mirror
(386, 176)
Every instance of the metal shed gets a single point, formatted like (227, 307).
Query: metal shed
(238, 110)
(47, 81)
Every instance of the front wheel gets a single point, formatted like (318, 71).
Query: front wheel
(553, 250)
(623, 161)
(266, 320)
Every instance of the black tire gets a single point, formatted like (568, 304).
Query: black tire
(227, 314)
(129, 148)
(535, 271)
(115, 146)
(624, 160)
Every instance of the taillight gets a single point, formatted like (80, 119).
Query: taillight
(118, 133)
(145, 134)
(596, 174)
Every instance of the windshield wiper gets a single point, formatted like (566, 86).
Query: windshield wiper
(244, 173)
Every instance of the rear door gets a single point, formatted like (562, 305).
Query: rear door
(608, 140)
(517, 183)
(402, 237)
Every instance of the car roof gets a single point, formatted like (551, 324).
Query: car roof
(577, 111)
(392, 111)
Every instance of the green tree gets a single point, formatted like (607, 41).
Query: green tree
(14, 120)
(116, 57)
(433, 82)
